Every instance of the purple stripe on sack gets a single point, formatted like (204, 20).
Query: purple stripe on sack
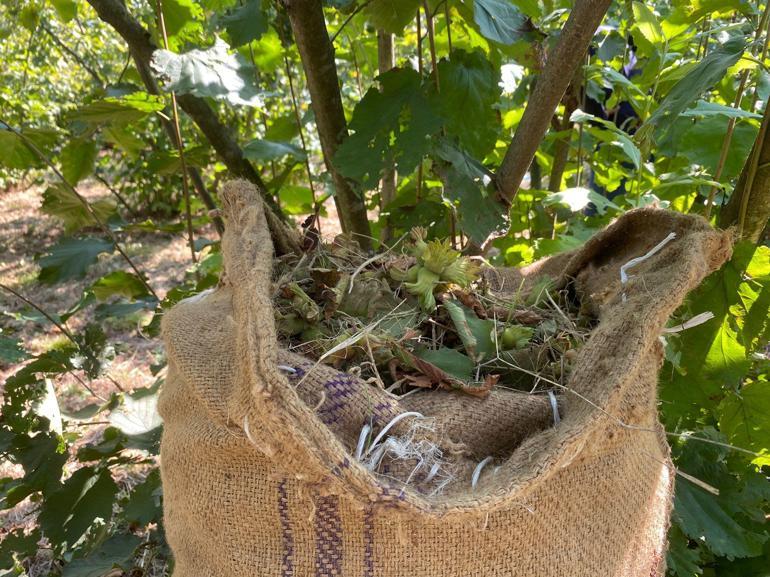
(328, 536)
(369, 543)
(287, 535)
(341, 466)
(382, 413)
(338, 390)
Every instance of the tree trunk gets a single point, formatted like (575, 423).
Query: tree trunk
(317, 55)
(749, 206)
(385, 60)
(551, 85)
(114, 13)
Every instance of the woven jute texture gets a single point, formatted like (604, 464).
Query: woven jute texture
(258, 464)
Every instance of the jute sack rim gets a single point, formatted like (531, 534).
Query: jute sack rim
(286, 430)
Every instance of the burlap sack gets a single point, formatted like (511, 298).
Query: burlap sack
(259, 469)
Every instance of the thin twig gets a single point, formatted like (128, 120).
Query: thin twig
(39, 309)
(298, 120)
(72, 54)
(63, 329)
(448, 18)
(179, 145)
(727, 140)
(33, 147)
(349, 18)
(116, 194)
(754, 160)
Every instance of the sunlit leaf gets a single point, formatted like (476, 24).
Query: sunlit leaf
(391, 15)
(60, 202)
(120, 283)
(16, 154)
(78, 158)
(213, 72)
(66, 9)
(579, 198)
(499, 20)
(744, 416)
(649, 26)
(183, 20)
(121, 109)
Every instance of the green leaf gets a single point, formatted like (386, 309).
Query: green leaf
(213, 73)
(391, 126)
(138, 414)
(143, 504)
(647, 23)
(610, 134)
(730, 523)
(267, 150)
(702, 516)
(744, 416)
(451, 361)
(470, 86)
(703, 108)
(42, 462)
(11, 351)
(245, 23)
(695, 142)
(119, 110)
(121, 137)
(16, 546)
(59, 201)
(16, 154)
(77, 159)
(183, 20)
(499, 20)
(699, 79)
(478, 213)
(71, 258)
(66, 9)
(391, 15)
(120, 283)
(578, 198)
(115, 552)
(475, 333)
(296, 199)
(681, 560)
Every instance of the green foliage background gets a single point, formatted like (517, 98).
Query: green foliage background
(69, 87)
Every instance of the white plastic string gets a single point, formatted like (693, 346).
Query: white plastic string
(390, 425)
(554, 408)
(195, 298)
(477, 471)
(433, 471)
(287, 368)
(640, 259)
(362, 441)
(690, 323)
(246, 430)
